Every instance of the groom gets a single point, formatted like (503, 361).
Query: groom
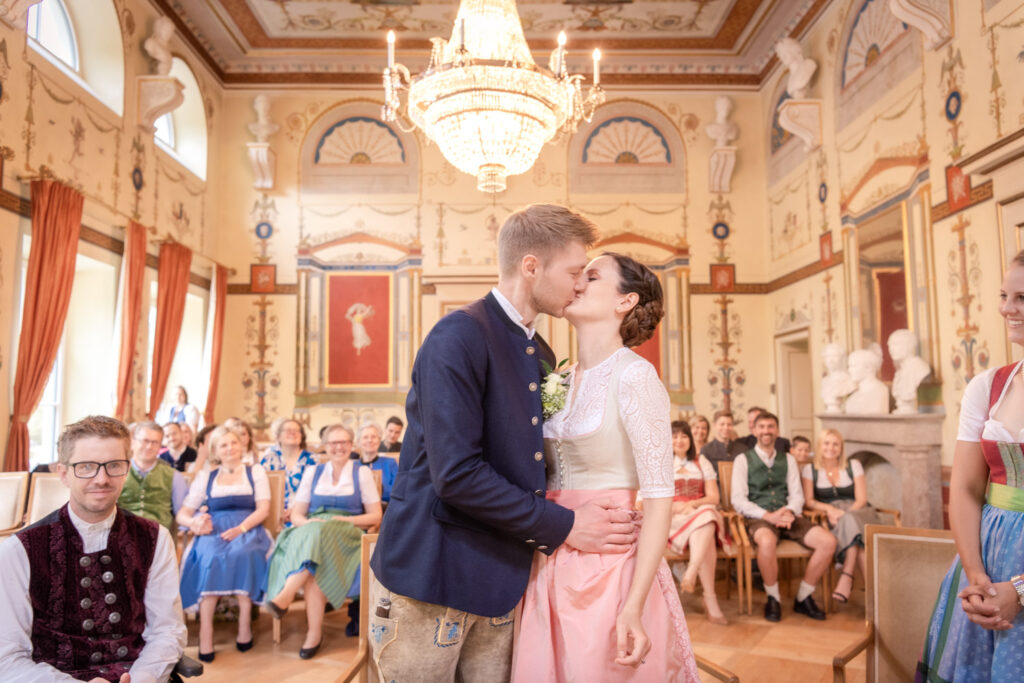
(468, 508)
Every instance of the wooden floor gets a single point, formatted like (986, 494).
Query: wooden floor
(796, 649)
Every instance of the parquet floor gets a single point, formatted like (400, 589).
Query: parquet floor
(796, 649)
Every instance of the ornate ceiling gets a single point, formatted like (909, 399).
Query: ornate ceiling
(667, 43)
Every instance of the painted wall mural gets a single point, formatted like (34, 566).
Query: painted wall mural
(359, 330)
(262, 380)
(626, 140)
(970, 355)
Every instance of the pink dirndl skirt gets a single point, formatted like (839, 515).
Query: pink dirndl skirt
(567, 626)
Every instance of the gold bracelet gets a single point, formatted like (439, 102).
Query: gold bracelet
(242, 527)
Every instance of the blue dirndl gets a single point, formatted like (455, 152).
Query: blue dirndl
(213, 566)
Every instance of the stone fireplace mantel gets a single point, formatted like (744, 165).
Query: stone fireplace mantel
(912, 444)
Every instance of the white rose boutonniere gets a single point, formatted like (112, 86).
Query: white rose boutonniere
(554, 389)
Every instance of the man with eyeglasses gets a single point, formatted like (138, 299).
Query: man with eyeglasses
(153, 489)
(90, 592)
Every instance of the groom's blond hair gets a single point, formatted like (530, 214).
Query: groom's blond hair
(541, 229)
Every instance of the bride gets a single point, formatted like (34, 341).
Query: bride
(595, 616)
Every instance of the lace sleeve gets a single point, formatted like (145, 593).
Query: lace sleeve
(645, 411)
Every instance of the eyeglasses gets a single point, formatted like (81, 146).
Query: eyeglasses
(89, 470)
(338, 444)
(149, 442)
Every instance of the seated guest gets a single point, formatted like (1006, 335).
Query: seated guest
(153, 489)
(766, 490)
(836, 486)
(203, 457)
(801, 450)
(244, 433)
(336, 502)
(178, 453)
(700, 428)
(271, 448)
(695, 518)
(717, 450)
(179, 411)
(745, 443)
(392, 441)
(289, 455)
(228, 555)
(368, 442)
(89, 593)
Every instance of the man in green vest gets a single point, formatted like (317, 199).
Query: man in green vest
(766, 490)
(153, 489)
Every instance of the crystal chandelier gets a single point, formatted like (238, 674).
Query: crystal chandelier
(482, 98)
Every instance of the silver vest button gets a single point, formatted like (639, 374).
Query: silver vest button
(85, 582)
(122, 651)
(105, 559)
(85, 561)
(86, 603)
(110, 598)
(88, 624)
(107, 577)
(95, 657)
(114, 617)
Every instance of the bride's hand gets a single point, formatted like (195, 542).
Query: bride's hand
(633, 643)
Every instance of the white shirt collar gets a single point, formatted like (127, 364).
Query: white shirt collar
(764, 454)
(85, 527)
(512, 313)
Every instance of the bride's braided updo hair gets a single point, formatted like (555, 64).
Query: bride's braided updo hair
(639, 324)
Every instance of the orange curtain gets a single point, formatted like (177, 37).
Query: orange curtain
(171, 287)
(131, 311)
(220, 293)
(56, 217)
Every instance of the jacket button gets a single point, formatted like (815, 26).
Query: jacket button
(538, 456)
(534, 420)
(533, 387)
(542, 547)
(530, 350)
(539, 492)
(530, 541)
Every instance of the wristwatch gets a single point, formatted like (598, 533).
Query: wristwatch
(1018, 585)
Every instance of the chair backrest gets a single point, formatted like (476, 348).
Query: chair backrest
(273, 521)
(46, 493)
(369, 543)
(378, 479)
(725, 485)
(13, 488)
(904, 570)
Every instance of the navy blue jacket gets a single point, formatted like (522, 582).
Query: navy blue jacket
(467, 509)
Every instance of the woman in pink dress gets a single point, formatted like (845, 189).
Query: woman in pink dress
(595, 616)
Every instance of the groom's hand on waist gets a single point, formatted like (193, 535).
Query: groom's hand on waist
(601, 526)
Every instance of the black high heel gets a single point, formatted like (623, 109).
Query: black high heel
(244, 647)
(206, 656)
(309, 652)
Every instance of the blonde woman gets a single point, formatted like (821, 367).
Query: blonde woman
(835, 485)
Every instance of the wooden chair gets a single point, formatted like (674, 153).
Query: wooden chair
(363, 669)
(905, 568)
(273, 523)
(13, 490)
(735, 554)
(46, 493)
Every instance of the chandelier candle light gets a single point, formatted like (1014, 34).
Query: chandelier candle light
(482, 98)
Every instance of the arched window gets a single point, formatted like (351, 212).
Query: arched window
(82, 38)
(50, 26)
(165, 130)
(182, 132)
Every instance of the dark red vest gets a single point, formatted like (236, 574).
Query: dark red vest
(88, 609)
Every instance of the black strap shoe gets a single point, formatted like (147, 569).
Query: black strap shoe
(310, 652)
(808, 607)
(772, 610)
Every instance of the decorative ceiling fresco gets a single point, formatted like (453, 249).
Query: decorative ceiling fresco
(645, 42)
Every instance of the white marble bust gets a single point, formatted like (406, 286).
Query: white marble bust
(264, 127)
(158, 46)
(871, 396)
(837, 383)
(801, 68)
(722, 131)
(911, 370)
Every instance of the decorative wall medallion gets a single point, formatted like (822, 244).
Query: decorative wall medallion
(137, 178)
(720, 230)
(822, 193)
(954, 103)
(264, 230)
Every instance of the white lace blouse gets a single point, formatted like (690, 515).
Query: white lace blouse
(644, 409)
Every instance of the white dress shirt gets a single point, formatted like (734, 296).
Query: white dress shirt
(165, 635)
(740, 492)
(510, 310)
(326, 487)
